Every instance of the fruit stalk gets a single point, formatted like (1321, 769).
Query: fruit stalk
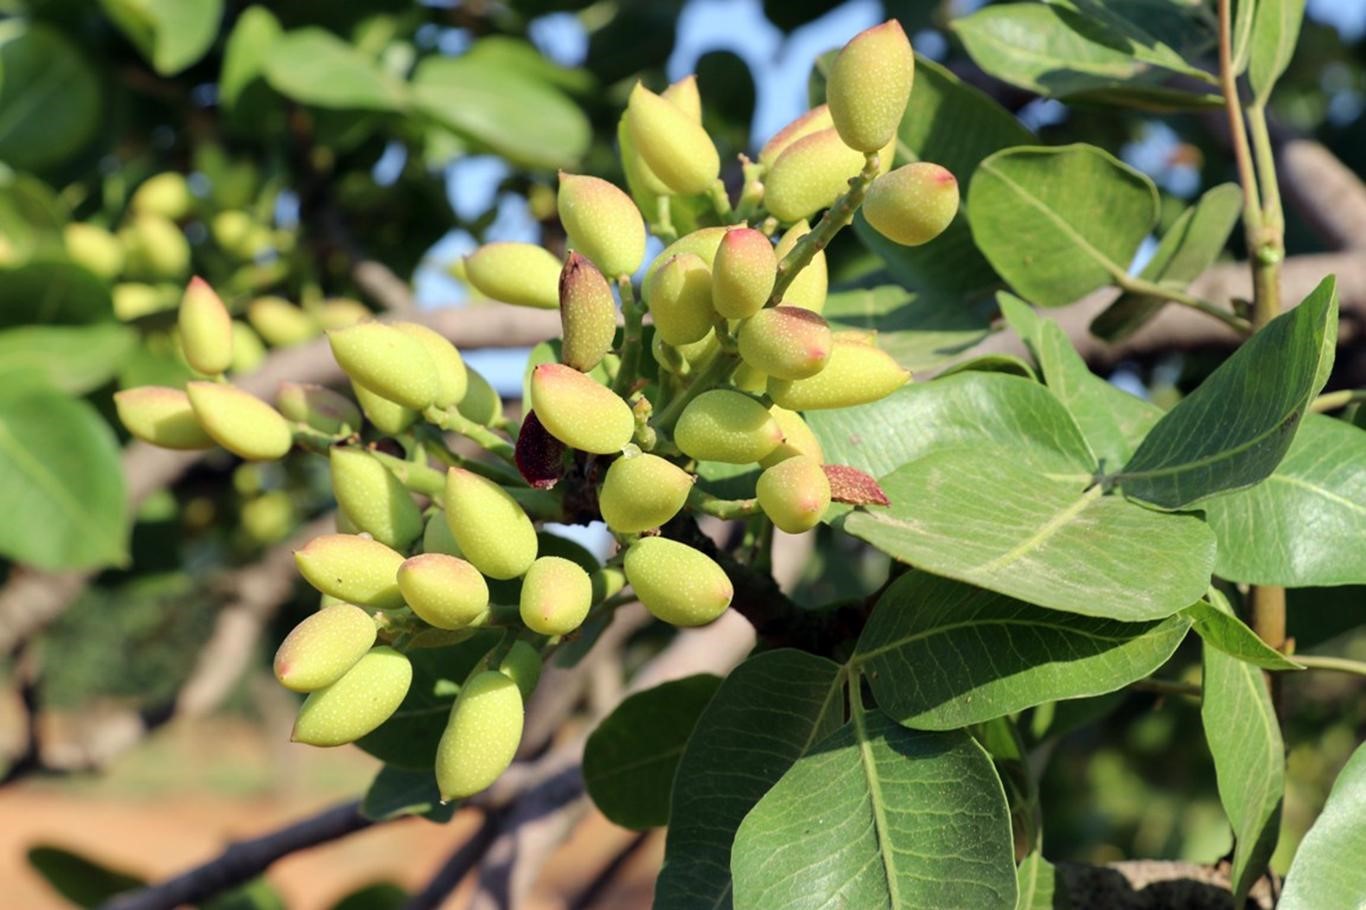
(633, 312)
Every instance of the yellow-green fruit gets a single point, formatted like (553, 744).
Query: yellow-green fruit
(608, 581)
(642, 492)
(676, 583)
(445, 591)
(797, 439)
(481, 403)
(786, 342)
(749, 378)
(320, 650)
(808, 289)
(156, 247)
(269, 518)
(588, 314)
(729, 426)
(280, 322)
(481, 737)
(869, 85)
(639, 178)
(913, 204)
(387, 416)
(355, 569)
(813, 121)
(488, 525)
(238, 234)
(166, 194)
(205, 329)
(522, 665)
(685, 97)
(602, 223)
(743, 274)
(373, 498)
(858, 373)
(437, 537)
(675, 146)
(340, 312)
(247, 348)
(679, 296)
(388, 362)
(556, 595)
(161, 416)
(812, 173)
(134, 301)
(94, 248)
(702, 243)
(522, 274)
(239, 421)
(451, 379)
(318, 407)
(366, 696)
(794, 494)
(578, 411)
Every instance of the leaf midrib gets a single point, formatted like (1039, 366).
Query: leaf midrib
(23, 458)
(875, 793)
(979, 623)
(1214, 458)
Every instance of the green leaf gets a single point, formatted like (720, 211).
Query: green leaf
(256, 894)
(398, 792)
(1219, 628)
(1058, 223)
(1304, 524)
(56, 292)
(1249, 761)
(1243, 11)
(993, 363)
(59, 467)
(880, 817)
(940, 654)
(1234, 429)
(1275, 32)
(984, 516)
(171, 34)
(314, 66)
(630, 759)
(50, 98)
(767, 714)
(378, 896)
(248, 49)
(1038, 884)
(1189, 247)
(921, 330)
(1327, 870)
(31, 218)
(82, 881)
(523, 118)
(72, 359)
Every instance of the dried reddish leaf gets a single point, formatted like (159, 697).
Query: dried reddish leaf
(540, 456)
(854, 486)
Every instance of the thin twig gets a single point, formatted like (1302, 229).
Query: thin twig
(1323, 662)
(455, 868)
(590, 895)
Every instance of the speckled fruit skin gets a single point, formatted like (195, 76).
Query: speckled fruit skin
(685, 97)
(481, 403)
(387, 416)
(913, 204)
(797, 438)
(161, 416)
(366, 696)
(809, 288)
(388, 362)
(812, 173)
(355, 569)
(449, 366)
(674, 146)
(679, 296)
(556, 595)
(588, 314)
(641, 492)
(728, 426)
(794, 494)
(373, 498)
(522, 274)
(205, 329)
(240, 422)
(702, 243)
(858, 373)
(319, 650)
(488, 525)
(444, 591)
(869, 85)
(602, 223)
(580, 412)
(318, 407)
(813, 121)
(680, 585)
(786, 342)
(743, 273)
(481, 737)
(522, 665)
(280, 322)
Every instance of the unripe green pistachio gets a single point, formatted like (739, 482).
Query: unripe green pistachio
(808, 289)
(702, 243)
(320, 650)
(794, 494)
(641, 180)
(388, 362)
(366, 696)
(205, 328)
(340, 312)
(857, 373)
(437, 536)
(356, 569)
(373, 498)
(133, 300)
(729, 426)
(522, 274)
(481, 403)
(445, 591)
(641, 492)
(247, 348)
(588, 313)
(481, 737)
(156, 247)
(162, 416)
(685, 97)
(344, 526)
(743, 273)
(280, 322)
(676, 147)
(869, 85)
(488, 525)
(449, 367)
(318, 407)
(269, 518)
(387, 416)
(239, 421)
(786, 342)
(608, 581)
(797, 439)
(602, 223)
(913, 204)
(679, 296)
(749, 378)
(813, 121)
(680, 585)
(238, 234)
(93, 248)
(166, 194)
(556, 595)
(578, 411)
(522, 665)
(812, 173)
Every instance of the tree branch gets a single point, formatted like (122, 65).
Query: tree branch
(454, 870)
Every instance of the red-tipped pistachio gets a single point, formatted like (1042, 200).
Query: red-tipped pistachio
(580, 412)
(602, 223)
(813, 121)
(676, 583)
(641, 492)
(162, 416)
(366, 696)
(674, 146)
(869, 85)
(373, 498)
(280, 322)
(319, 650)
(522, 274)
(556, 595)
(797, 438)
(445, 591)
(318, 407)
(743, 273)
(522, 665)
(488, 525)
(679, 296)
(858, 373)
(481, 737)
(913, 204)
(794, 494)
(388, 362)
(729, 426)
(808, 288)
(355, 569)
(588, 314)
(812, 173)
(205, 329)
(387, 416)
(451, 377)
(786, 342)
(240, 422)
